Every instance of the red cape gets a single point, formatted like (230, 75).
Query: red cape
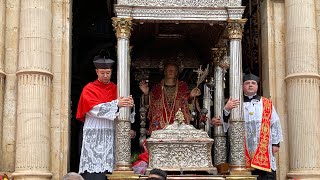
(93, 94)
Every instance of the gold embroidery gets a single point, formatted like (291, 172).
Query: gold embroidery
(165, 94)
(261, 159)
(170, 92)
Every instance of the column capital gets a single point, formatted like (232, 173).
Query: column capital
(216, 56)
(235, 28)
(122, 27)
(219, 57)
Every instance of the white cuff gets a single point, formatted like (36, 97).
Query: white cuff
(225, 112)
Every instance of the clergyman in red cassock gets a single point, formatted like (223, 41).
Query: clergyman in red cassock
(98, 108)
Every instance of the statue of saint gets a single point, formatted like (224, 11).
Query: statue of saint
(167, 97)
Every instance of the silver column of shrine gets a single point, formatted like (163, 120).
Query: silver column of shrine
(123, 28)
(220, 139)
(236, 121)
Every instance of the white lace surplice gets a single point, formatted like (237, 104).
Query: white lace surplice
(97, 152)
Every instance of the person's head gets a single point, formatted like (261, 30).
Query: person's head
(171, 71)
(72, 176)
(153, 178)
(158, 173)
(250, 84)
(103, 69)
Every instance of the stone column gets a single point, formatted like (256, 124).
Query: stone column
(303, 82)
(122, 27)
(220, 140)
(60, 103)
(237, 128)
(2, 74)
(34, 91)
(10, 89)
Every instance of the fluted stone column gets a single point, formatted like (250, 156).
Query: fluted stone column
(122, 27)
(10, 89)
(303, 82)
(2, 74)
(237, 128)
(220, 140)
(34, 91)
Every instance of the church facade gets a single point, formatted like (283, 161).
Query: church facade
(35, 81)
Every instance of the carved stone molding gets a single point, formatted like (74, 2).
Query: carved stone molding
(122, 27)
(302, 75)
(35, 71)
(178, 13)
(235, 28)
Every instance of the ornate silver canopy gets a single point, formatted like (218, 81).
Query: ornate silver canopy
(180, 10)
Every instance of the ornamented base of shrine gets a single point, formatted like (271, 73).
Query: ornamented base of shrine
(128, 175)
(241, 177)
(123, 175)
(208, 177)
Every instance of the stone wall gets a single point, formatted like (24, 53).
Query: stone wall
(273, 31)
(35, 77)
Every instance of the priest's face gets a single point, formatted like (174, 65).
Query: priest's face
(104, 75)
(250, 87)
(170, 72)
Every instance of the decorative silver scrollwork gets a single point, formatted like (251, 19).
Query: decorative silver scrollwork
(180, 3)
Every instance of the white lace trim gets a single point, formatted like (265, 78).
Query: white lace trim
(97, 153)
(105, 110)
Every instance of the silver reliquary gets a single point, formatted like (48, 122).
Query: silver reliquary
(180, 147)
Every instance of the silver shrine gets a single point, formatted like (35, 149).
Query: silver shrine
(180, 147)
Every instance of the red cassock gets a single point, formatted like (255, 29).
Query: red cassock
(93, 94)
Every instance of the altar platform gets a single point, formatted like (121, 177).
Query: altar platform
(191, 177)
(207, 177)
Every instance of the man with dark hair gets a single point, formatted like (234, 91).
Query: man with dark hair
(98, 108)
(157, 174)
(262, 127)
(72, 176)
